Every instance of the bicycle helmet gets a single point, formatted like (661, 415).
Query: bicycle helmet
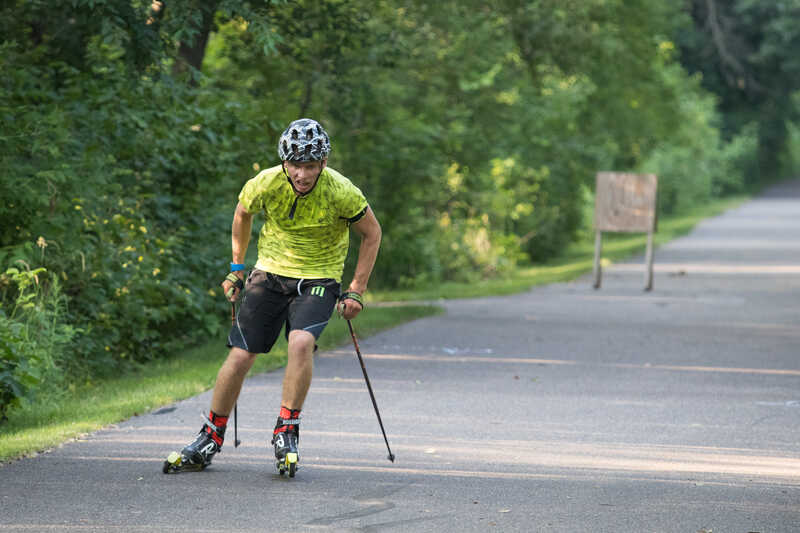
(304, 140)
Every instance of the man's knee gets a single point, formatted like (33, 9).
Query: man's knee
(241, 358)
(301, 342)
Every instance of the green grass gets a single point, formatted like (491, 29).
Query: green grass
(56, 418)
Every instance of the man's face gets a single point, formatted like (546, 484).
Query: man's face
(304, 175)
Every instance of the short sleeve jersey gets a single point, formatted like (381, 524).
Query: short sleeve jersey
(303, 236)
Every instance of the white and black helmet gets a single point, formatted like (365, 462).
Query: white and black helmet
(304, 140)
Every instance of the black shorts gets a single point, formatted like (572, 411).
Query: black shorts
(270, 301)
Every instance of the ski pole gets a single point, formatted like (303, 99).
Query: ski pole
(236, 441)
(369, 387)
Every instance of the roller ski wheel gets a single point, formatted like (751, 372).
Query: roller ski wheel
(197, 455)
(175, 463)
(288, 465)
(287, 457)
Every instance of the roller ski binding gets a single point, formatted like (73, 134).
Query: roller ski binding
(198, 454)
(285, 441)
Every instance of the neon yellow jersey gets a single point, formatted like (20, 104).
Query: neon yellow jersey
(303, 236)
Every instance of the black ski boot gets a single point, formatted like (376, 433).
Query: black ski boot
(198, 454)
(285, 441)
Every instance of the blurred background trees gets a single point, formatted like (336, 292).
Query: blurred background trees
(474, 128)
(746, 52)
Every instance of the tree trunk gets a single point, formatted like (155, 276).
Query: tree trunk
(191, 53)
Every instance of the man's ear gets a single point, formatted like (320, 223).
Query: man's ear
(324, 164)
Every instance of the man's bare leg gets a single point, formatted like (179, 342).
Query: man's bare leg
(296, 381)
(199, 453)
(230, 379)
(299, 369)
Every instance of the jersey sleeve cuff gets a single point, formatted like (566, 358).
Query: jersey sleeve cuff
(359, 216)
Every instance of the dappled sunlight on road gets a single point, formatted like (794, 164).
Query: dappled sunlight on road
(487, 458)
(528, 459)
(708, 268)
(707, 244)
(455, 359)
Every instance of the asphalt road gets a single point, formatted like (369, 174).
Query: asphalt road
(563, 409)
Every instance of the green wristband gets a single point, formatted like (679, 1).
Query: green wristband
(237, 283)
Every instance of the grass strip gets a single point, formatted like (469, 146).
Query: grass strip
(57, 417)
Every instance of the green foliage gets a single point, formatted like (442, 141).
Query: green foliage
(33, 335)
(113, 178)
(695, 164)
(17, 377)
(747, 52)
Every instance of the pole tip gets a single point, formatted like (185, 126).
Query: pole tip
(391, 457)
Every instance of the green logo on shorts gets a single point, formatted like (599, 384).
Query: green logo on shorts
(318, 291)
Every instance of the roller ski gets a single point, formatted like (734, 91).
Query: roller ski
(285, 439)
(198, 454)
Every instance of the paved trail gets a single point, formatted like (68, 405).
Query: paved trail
(563, 409)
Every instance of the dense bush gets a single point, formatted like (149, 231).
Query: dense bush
(114, 178)
(34, 335)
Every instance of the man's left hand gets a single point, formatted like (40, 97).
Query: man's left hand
(349, 305)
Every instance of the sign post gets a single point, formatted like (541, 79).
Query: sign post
(625, 203)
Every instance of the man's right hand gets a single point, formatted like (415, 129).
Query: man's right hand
(233, 285)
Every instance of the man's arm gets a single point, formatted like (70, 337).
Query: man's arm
(370, 231)
(240, 233)
(240, 239)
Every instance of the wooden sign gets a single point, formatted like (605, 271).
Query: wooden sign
(625, 202)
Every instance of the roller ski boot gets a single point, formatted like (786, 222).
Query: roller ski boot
(285, 439)
(198, 454)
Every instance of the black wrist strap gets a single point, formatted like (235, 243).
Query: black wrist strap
(352, 295)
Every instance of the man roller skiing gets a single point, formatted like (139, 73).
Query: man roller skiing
(308, 209)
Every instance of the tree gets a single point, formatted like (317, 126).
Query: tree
(747, 52)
